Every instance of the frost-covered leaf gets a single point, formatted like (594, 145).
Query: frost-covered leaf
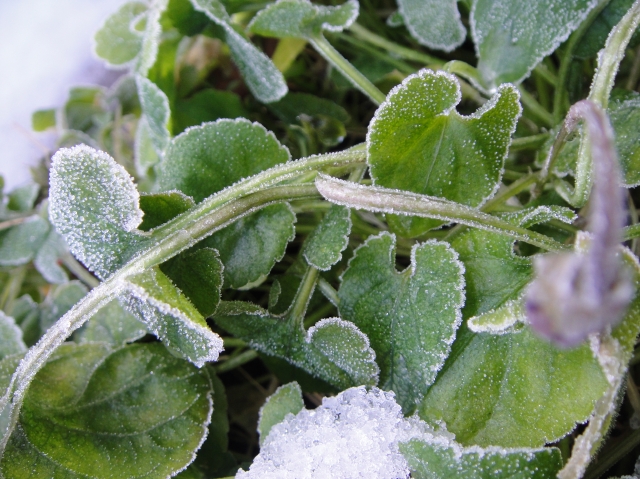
(205, 159)
(434, 23)
(156, 302)
(133, 412)
(119, 40)
(491, 385)
(113, 325)
(205, 106)
(94, 205)
(285, 400)
(198, 274)
(253, 244)
(410, 317)
(10, 338)
(511, 37)
(151, 37)
(260, 74)
(302, 19)
(22, 199)
(291, 106)
(144, 152)
(155, 107)
(435, 459)
(332, 350)
(161, 207)
(501, 319)
(625, 120)
(60, 299)
(418, 142)
(20, 244)
(323, 248)
(47, 257)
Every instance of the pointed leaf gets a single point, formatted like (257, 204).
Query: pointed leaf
(155, 106)
(333, 350)
(119, 40)
(262, 77)
(95, 207)
(134, 412)
(155, 301)
(410, 317)
(285, 400)
(10, 339)
(20, 244)
(302, 19)
(434, 23)
(323, 248)
(512, 37)
(435, 458)
(418, 142)
(113, 325)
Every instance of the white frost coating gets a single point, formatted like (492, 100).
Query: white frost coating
(155, 106)
(10, 337)
(328, 223)
(353, 5)
(352, 435)
(151, 37)
(500, 320)
(435, 24)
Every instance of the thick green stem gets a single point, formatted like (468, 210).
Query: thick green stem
(347, 69)
(528, 142)
(236, 361)
(404, 203)
(299, 307)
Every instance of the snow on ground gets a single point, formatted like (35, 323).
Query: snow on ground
(45, 47)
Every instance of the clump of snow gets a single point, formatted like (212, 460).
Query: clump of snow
(352, 435)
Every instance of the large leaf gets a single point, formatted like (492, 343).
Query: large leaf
(260, 74)
(513, 389)
(94, 205)
(418, 142)
(302, 19)
(511, 37)
(155, 301)
(332, 350)
(323, 248)
(96, 413)
(434, 23)
(410, 317)
(113, 325)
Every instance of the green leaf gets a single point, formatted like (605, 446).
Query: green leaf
(113, 325)
(151, 38)
(434, 23)
(302, 19)
(198, 274)
(323, 248)
(185, 18)
(42, 120)
(60, 299)
(625, 119)
(22, 199)
(10, 338)
(285, 400)
(332, 350)
(291, 106)
(491, 385)
(260, 74)
(155, 106)
(418, 142)
(47, 257)
(207, 105)
(84, 106)
(512, 37)
(156, 302)
(161, 207)
(119, 40)
(94, 205)
(134, 412)
(252, 245)
(208, 158)
(437, 459)
(20, 244)
(410, 317)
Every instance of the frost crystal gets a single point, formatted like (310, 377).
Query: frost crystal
(354, 434)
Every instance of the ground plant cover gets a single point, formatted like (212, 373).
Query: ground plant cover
(315, 240)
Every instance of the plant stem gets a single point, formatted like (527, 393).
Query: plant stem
(611, 456)
(362, 45)
(303, 295)
(612, 54)
(528, 142)
(13, 222)
(236, 361)
(536, 109)
(404, 203)
(329, 292)
(79, 271)
(12, 288)
(347, 69)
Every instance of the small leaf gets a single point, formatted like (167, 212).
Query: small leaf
(436, 459)
(155, 106)
(155, 301)
(302, 19)
(285, 400)
(94, 205)
(113, 325)
(512, 37)
(500, 320)
(22, 199)
(60, 299)
(46, 260)
(323, 248)
(198, 274)
(161, 207)
(42, 120)
(418, 142)
(333, 350)
(119, 40)
(133, 412)
(434, 23)
(20, 244)
(10, 339)
(260, 74)
(410, 317)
